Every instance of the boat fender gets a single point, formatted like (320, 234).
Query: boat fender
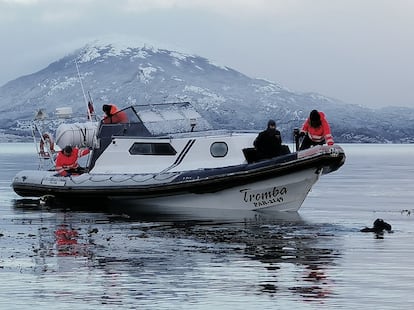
(47, 138)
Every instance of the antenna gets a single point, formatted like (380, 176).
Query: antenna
(83, 91)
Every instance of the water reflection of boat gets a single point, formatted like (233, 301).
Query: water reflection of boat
(167, 156)
(297, 257)
(288, 256)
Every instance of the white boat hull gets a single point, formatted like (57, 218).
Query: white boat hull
(286, 193)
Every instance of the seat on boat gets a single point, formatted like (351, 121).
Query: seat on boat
(252, 155)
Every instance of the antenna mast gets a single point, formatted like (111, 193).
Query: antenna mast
(83, 91)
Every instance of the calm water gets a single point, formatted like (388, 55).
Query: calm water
(316, 259)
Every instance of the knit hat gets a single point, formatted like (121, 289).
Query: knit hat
(67, 149)
(315, 116)
(106, 108)
(271, 123)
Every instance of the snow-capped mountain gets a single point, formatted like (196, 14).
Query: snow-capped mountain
(124, 75)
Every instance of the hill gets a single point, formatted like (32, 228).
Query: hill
(122, 74)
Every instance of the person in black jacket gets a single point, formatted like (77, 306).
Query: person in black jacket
(268, 143)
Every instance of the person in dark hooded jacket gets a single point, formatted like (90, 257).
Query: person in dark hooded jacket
(268, 143)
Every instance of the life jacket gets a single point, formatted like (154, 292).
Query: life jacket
(64, 162)
(116, 116)
(321, 133)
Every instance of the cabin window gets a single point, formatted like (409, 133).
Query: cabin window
(152, 149)
(219, 149)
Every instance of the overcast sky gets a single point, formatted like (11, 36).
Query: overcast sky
(358, 51)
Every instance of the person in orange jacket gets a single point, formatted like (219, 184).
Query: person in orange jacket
(67, 161)
(113, 115)
(315, 131)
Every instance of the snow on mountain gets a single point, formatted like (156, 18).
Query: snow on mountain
(128, 73)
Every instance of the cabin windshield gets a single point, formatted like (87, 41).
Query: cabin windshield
(166, 118)
(132, 115)
(159, 120)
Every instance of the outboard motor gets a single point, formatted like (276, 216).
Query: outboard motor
(296, 137)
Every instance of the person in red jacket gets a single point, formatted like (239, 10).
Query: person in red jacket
(67, 161)
(315, 131)
(113, 115)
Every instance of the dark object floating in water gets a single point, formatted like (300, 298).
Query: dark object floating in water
(379, 226)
